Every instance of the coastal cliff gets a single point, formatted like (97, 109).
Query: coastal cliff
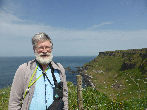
(132, 58)
(120, 74)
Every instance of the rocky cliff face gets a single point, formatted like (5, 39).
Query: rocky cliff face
(123, 53)
(132, 58)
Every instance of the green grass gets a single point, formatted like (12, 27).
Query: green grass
(117, 84)
(95, 100)
(4, 98)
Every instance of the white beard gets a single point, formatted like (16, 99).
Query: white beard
(44, 60)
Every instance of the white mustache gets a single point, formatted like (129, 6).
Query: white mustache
(46, 54)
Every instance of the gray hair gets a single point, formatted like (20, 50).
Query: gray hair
(40, 37)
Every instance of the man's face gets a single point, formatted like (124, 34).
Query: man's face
(43, 52)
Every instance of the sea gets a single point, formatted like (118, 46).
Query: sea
(9, 65)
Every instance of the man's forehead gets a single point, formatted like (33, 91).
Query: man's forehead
(45, 42)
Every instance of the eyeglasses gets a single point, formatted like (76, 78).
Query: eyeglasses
(45, 47)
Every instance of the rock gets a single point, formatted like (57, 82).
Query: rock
(87, 80)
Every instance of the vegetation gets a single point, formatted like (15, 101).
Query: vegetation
(120, 75)
(4, 98)
(92, 99)
(95, 100)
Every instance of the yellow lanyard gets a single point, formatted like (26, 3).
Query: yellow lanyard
(31, 83)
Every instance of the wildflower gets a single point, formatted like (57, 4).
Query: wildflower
(114, 100)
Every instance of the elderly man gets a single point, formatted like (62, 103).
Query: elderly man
(39, 84)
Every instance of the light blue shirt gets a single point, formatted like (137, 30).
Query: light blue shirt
(38, 99)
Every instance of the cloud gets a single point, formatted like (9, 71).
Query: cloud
(16, 34)
(8, 17)
(100, 25)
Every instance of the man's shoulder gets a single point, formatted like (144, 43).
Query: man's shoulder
(59, 67)
(27, 64)
(56, 65)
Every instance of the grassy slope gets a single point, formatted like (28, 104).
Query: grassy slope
(116, 84)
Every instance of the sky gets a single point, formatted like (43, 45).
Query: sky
(76, 27)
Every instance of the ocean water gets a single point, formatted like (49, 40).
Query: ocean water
(9, 65)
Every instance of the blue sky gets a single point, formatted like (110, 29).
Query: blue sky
(77, 27)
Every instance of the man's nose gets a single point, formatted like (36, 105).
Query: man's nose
(44, 50)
